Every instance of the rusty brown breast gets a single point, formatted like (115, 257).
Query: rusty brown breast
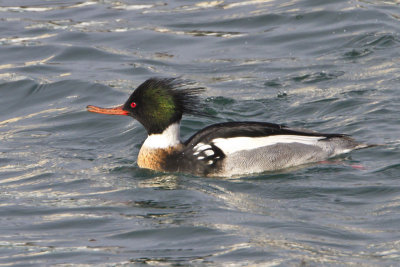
(157, 158)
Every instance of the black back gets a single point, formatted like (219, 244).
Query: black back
(248, 129)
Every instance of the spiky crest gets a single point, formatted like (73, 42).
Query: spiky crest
(162, 101)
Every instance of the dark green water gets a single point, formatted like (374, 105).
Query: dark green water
(70, 188)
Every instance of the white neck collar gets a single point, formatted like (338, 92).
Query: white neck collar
(168, 138)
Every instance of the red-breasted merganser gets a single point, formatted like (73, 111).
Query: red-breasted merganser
(223, 149)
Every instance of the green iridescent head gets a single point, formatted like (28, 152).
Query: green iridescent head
(159, 102)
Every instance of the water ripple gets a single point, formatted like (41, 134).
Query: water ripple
(71, 190)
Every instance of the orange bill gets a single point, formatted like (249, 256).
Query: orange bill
(111, 111)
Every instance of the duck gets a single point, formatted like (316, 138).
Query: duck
(227, 149)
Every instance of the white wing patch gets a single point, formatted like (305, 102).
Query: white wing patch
(205, 152)
(201, 147)
(235, 144)
(208, 152)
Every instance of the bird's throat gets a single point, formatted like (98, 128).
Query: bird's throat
(167, 139)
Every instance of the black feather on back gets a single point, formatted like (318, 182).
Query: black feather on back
(248, 129)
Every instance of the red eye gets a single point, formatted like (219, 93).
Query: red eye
(133, 105)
